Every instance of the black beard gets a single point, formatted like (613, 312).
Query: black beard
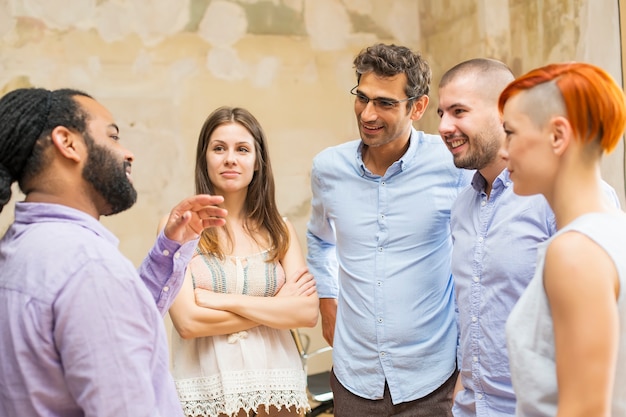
(108, 177)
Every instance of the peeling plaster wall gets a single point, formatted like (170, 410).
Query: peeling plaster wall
(524, 34)
(162, 66)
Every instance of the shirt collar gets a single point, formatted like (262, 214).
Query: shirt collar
(27, 213)
(502, 181)
(404, 160)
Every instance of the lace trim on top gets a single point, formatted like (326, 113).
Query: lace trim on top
(206, 397)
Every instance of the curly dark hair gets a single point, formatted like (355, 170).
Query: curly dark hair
(389, 60)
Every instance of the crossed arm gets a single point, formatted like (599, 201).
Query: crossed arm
(200, 312)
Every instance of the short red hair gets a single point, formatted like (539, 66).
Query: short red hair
(595, 104)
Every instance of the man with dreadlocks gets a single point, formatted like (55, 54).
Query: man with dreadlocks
(81, 334)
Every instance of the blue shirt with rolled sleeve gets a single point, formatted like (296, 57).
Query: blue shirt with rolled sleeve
(382, 245)
(81, 333)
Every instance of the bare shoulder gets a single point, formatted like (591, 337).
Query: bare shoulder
(289, 225)
(576, 266)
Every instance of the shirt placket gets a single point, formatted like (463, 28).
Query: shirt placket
(485, 209)
(381, 241)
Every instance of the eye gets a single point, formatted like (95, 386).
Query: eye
(115, 138)
(508, 134)
(243, 149)
(386, 104)
(218, 148)
(362, 98)
(459, 111)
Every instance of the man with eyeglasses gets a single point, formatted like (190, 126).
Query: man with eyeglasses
(379, 245)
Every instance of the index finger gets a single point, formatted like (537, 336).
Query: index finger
(199, 201)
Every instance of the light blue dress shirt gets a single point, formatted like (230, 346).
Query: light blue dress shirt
(382, 245)
(81, 333)
(493, 259)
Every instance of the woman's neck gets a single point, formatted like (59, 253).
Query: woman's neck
(234, 203)
(577, 192)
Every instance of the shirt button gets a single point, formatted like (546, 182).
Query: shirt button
(166, 252)
(166, 289)
(177, 255)
(483, 203)
(475, 359)
(382, 354)
(480, 239)
(476, 279)
(480, 396)
(474, 319)
(380, 249)
(508, 183)
(380, 284)
(380, 319)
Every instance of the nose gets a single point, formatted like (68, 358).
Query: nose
(129, 156)
(230, 157)
(503, 152)
(446, 126)
(368, 112)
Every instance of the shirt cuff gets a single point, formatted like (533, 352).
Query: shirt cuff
(163, 270)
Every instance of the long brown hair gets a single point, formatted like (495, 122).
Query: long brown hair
(260, 209)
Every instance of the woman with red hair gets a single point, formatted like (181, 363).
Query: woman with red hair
(567, 334)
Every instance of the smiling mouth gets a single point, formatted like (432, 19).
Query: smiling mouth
(456, 143)
(371, 128)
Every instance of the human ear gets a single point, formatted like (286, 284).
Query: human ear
(65, 141)
(560, 134)
(419, 107)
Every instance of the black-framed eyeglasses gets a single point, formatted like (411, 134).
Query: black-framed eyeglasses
(379, 102)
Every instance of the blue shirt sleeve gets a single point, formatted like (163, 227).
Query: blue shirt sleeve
(321, 243)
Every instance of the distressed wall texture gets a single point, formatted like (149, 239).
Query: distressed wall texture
(162, 66)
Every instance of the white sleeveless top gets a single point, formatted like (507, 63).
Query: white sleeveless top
(259, 366)
(530, 333)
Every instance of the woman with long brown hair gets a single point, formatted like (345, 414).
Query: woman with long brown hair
(233, 354)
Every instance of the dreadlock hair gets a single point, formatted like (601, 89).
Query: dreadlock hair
(260, 206)
(27, 117)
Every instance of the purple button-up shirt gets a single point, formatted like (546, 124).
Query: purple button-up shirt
(80, 333)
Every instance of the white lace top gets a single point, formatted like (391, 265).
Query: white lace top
(261, 366)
